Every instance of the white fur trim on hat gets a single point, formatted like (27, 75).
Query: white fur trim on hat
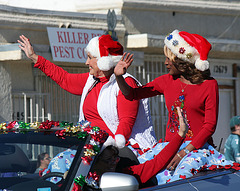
(105, 63)
(202, 65)
(93, 47)
(120, 141)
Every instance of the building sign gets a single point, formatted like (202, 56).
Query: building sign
(67, 45)
(221, 70)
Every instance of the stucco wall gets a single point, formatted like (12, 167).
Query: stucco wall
(5, 93)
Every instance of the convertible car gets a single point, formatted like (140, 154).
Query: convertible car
(20, 143)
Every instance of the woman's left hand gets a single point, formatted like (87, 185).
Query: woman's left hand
(176, 159)
(123, 64)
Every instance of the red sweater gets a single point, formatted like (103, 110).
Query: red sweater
(144, 172)
(201, 105)
(74, 83)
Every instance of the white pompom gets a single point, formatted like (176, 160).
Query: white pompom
(201, 65)
(109, 141)
(120, 141)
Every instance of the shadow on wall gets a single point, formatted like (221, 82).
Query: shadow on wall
(1, 119)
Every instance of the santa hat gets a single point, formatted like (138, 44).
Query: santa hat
(192, 48)
(107, 51)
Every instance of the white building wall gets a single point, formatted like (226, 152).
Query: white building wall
(5, 93)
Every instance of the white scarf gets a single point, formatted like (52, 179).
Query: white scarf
(142, 132)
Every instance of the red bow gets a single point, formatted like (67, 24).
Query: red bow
(76, 187)
(87, 160)
(94, 176)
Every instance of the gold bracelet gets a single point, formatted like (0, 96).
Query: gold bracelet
(179, 155)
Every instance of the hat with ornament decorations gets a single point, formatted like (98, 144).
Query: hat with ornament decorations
(189, 47)
(107, 51)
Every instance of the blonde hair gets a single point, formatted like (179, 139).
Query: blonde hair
(168, 53)
(187, 69)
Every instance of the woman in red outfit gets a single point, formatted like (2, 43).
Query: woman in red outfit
(101, 101)
(188, 84)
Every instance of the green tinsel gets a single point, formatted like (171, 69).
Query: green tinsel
(82, 135)
(23, 125)
(96, 128)
(64, 124)
(96, 149)
(80, 180)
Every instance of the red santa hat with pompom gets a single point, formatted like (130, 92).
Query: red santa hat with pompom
(107, 51)
(189, 47)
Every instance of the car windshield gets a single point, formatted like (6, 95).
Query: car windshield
(19, 150)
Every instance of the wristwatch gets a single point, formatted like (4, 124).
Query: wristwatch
(186, 150)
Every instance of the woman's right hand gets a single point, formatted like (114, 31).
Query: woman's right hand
(123, 64)
(26, 46)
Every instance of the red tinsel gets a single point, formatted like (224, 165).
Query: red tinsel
(61, 133)
(88, 146)
(11, 125)
(88, 129)
(76, 187)
(87, 160)
(48, 124)
(100, 137)
(94, 176)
